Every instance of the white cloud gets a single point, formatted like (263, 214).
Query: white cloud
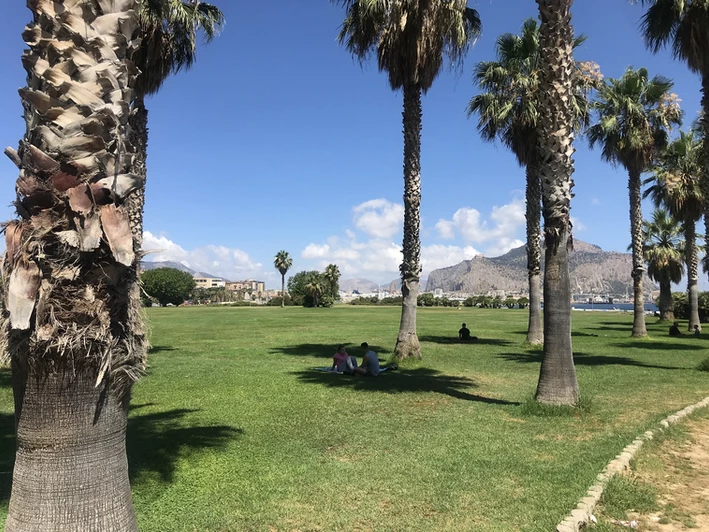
(379, 218)
(232, 264)
(373, 254)
(577, 224)
(446, 229)
(439, 256)
(313, 251)
(595, 201)
(497, 235)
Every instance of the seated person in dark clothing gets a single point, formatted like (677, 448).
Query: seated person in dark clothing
(464, 334)
(674, 330)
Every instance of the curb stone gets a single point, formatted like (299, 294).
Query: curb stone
(578, 517)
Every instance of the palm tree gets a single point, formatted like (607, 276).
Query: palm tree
(72, 327)
(557, 377)
(675, 184)
(508, 109)
(282, 262)
(662, 246)
(684, 26)
(315, 289)
(169, 37)
(410, 39)
(635, 114)
(332, 276)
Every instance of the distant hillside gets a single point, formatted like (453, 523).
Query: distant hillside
(149, 265)
(360, 285)
(590, 268)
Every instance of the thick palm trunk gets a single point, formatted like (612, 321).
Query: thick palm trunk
(667, 312)
(283, 290)
(72, 325)
(557, 377)
(407, 343)
(138, 130)
(535, 333)
(71, 470)
(636, 234)
(690, 236)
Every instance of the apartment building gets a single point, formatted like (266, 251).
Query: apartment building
(209, 282)
(257, 287)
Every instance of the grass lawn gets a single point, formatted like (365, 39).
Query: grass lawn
(231, 430)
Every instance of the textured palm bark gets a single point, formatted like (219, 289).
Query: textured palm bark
(135, 204)
(692, 258)
(636, 233)
(535, 332)
(407, 342)
(665, 303)
(704, 178)
(72, 325)
(283, 290)
(71, 470)
(557, 377)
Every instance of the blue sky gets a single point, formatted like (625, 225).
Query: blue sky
(277, 139)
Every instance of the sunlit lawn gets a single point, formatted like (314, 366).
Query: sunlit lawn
(231, 430)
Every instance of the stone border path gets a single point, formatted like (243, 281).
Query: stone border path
(584, 509)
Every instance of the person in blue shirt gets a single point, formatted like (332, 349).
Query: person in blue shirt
(370, 362)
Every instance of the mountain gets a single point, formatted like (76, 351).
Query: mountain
(362, 286)
(591, 270)
(149, 265)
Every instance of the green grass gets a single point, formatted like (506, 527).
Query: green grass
(704, 365)
(231, 430)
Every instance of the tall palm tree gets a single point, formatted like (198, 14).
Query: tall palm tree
(282, 262)
(675, 183)
(683, 25)
(410, 39)
(72, 327)
(662, 246)
(508, 109)
(332, 276)
(169, 31)
(635, 114)
(557, 377)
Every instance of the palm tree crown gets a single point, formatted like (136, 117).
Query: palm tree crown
(282, 262)
(169, 37)
(635, 114)
(410, 38)
(663, 248)
(675, 182)
(508, 107)
(681, 24)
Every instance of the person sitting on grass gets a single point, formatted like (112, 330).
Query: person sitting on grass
(674, 330)
(339, 359)
(697, 330)
(464, 335)
(370, 362)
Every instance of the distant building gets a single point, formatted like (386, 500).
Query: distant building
(209, 282)
(257, 287)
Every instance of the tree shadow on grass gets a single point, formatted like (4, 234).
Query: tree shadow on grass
(660, 346)
(582, 359)
(323, 350)
(154, 442)
(154, 349)
(454, 340)
(415, 380)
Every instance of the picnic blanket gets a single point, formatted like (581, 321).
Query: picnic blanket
(327, 369)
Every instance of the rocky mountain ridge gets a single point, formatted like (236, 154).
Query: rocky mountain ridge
(591, 269)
